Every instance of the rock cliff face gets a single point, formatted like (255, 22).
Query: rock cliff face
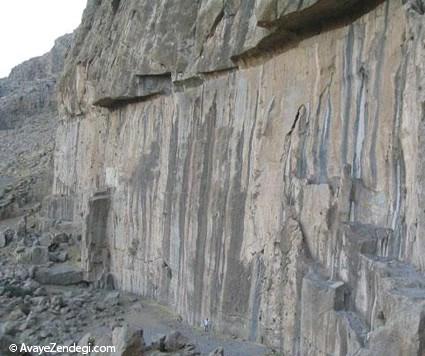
(256, 162)
(28, 121)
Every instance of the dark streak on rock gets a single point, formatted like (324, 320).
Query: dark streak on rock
(168, 203)
(236, 300)
(251, 136)
(321, 133)
(376, 93)
(206, 134)
(348, 73)
(398, 168)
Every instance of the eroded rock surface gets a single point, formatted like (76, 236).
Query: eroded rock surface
(255, 162)
(28, 122)
(259, 163)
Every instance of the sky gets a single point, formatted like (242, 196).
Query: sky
(28, 28)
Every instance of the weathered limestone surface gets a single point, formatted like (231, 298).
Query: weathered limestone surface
(270, 180)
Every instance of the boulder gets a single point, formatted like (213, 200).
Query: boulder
(6, 237)
(57, 302)
(25, 307)
(219, 351)
(190, 350)
(39, 292)
(15, 291)
(60, 237)
(158, 344)
(31, 286)
(36, 255)
(5, 342)
(30, 321)
(112, 298)
(16, 314)
(100, 337)
(59, 274)
(11, 327)
(128, 341)
(175, 341)
(58, 257)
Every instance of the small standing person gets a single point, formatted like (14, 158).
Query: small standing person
(206, 324)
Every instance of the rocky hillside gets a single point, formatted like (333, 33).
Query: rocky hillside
(257, 162)
(28, 122)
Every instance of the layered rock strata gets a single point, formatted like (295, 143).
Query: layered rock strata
(257, 162)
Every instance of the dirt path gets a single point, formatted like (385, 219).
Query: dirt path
(157, 320)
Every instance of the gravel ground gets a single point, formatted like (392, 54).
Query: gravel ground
(156, 320)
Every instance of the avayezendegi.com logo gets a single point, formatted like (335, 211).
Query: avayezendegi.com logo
(55, 348)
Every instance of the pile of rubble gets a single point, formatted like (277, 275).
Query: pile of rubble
(44, 298)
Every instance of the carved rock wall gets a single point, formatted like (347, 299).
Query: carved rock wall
(265, 192)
